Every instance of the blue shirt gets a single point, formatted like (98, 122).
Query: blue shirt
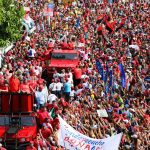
(67, 87)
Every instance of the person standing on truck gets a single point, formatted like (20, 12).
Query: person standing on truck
(67, 90)
(62, 75)
(40, 97)
(59, 86)
(52, 87)
(24, 86)
(77, 75)
(14, 84)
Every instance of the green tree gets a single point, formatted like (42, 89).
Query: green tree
(11, 13)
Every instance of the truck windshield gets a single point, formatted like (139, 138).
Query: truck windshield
(71, 56)
(4, 120)
(25, 120)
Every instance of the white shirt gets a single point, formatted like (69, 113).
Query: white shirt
(72, 93)
(36, 72)
(45, 91)
(40, 97)
(52, 86)
(85, 85)
(56, 75)
(39, 69)
(52, 97)
(59, 86)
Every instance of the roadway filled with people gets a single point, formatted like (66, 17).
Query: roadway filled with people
(112, 40)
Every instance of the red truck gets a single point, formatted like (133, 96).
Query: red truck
(62, 59)
(17, 121)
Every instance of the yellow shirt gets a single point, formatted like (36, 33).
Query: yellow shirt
(92, 96)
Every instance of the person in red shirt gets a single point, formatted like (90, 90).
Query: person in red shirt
(64, 45)
(51, 106)
(24, 87)
(77, 74)
(14, 84)
(31, 146)
(42, 115)
(46, 132)
(55, 122)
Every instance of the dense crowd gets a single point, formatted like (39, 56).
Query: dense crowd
(111, 33)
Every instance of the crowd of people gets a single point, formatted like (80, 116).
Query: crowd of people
(108, 32)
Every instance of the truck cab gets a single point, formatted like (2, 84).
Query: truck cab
(17, 121)
(62, 59)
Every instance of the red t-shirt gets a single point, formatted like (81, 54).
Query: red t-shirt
(55, 123)
(50, 106)
(14, 84)
(32, 85)
(64, 45)
(46, 133)
(77, 73)
(3, 88)
(71, 45)
(25, 88)
(42, 116)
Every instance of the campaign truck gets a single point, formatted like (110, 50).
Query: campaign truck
(63, 59)
(17, 121)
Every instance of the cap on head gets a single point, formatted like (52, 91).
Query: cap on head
(40, 87)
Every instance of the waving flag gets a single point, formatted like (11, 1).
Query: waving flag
(122, 75)
(77, 23)
(100, 69)
(52, 113)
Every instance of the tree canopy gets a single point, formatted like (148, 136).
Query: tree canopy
(11, 13)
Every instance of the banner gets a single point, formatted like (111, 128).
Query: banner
(102, 113)
(48, 10)
(71, 139)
